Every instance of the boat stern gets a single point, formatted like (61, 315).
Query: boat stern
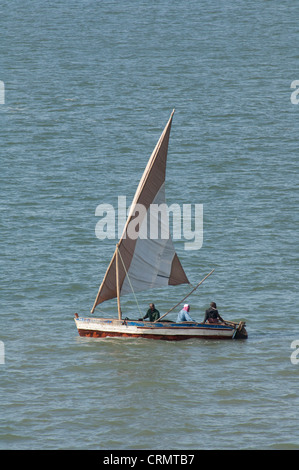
(241, 332)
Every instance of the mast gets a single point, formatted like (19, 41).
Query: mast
(117, 283)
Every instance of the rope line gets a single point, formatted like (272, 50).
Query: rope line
(129, 282)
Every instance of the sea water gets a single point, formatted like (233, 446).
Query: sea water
(86, 89)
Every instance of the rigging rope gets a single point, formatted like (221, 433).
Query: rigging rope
(129, 281)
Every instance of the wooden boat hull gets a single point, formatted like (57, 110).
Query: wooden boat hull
(169, 331)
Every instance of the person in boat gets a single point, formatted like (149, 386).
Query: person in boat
(212, 314)
(152, 314)
(184, 314)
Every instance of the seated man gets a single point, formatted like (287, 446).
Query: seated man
(184, 315)
(212, 314)
(152, 313)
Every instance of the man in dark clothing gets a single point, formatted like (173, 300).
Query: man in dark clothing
(152, 313)
(212, 314)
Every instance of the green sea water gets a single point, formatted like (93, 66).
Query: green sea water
(89, 86)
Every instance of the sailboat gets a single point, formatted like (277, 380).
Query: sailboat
(140, 263)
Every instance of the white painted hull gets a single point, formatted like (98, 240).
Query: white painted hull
(170, 331)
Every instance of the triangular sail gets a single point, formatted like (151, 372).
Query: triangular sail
(148, 261)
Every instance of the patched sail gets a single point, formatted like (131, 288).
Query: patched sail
(144, 261)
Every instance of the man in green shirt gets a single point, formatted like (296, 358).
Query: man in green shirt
(152, 313)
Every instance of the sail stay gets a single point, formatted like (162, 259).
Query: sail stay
(144, 261)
